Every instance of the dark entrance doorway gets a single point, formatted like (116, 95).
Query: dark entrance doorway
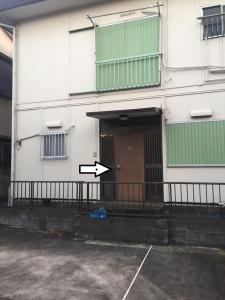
(131, 145)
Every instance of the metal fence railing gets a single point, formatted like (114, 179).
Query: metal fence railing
(60, 194)
(179, 198)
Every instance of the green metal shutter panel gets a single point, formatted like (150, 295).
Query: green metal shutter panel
(127, 54)
(196, 143)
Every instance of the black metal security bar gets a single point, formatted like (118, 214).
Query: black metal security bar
(127, 11)
(141, 199)
(213, 25)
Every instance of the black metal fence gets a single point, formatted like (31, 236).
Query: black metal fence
(59, 194)
(141, 199)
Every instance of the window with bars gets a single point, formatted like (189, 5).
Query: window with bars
(213, 21)
(53, 145)
(127, 54)
(200, 143)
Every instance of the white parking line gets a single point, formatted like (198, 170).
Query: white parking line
(115, 244)
(139, 269)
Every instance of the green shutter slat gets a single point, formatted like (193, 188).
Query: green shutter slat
(196, 143)
(127, 54)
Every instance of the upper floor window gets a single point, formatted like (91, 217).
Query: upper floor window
(213, 21)
(128, 54)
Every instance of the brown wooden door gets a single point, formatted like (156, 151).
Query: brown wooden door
(129, 159)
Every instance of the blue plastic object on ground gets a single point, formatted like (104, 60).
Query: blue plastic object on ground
(99, 213)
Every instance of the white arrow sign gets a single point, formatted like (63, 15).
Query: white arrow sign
(97, 169)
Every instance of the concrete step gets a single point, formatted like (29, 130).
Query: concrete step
(150, 208)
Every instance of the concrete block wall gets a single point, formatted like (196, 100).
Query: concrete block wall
(207, 232)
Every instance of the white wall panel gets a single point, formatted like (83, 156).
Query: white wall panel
(82, 61)
(28, 163)
(84, 141)
(42, 60)
(179, 107)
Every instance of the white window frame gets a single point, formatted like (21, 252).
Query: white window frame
(53, 148)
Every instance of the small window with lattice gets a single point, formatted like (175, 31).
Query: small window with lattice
(53, 145)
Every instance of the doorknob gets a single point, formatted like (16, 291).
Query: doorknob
(118, 166)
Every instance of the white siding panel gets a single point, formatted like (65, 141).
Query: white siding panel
(82, 61)
(42, 65)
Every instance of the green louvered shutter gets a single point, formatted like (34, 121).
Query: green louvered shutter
(196, 143)
(127, 54)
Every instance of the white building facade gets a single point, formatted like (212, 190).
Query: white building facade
(139, 89)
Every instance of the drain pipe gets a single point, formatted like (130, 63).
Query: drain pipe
(13, 137)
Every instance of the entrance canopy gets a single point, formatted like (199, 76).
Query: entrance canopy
(125, 114)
